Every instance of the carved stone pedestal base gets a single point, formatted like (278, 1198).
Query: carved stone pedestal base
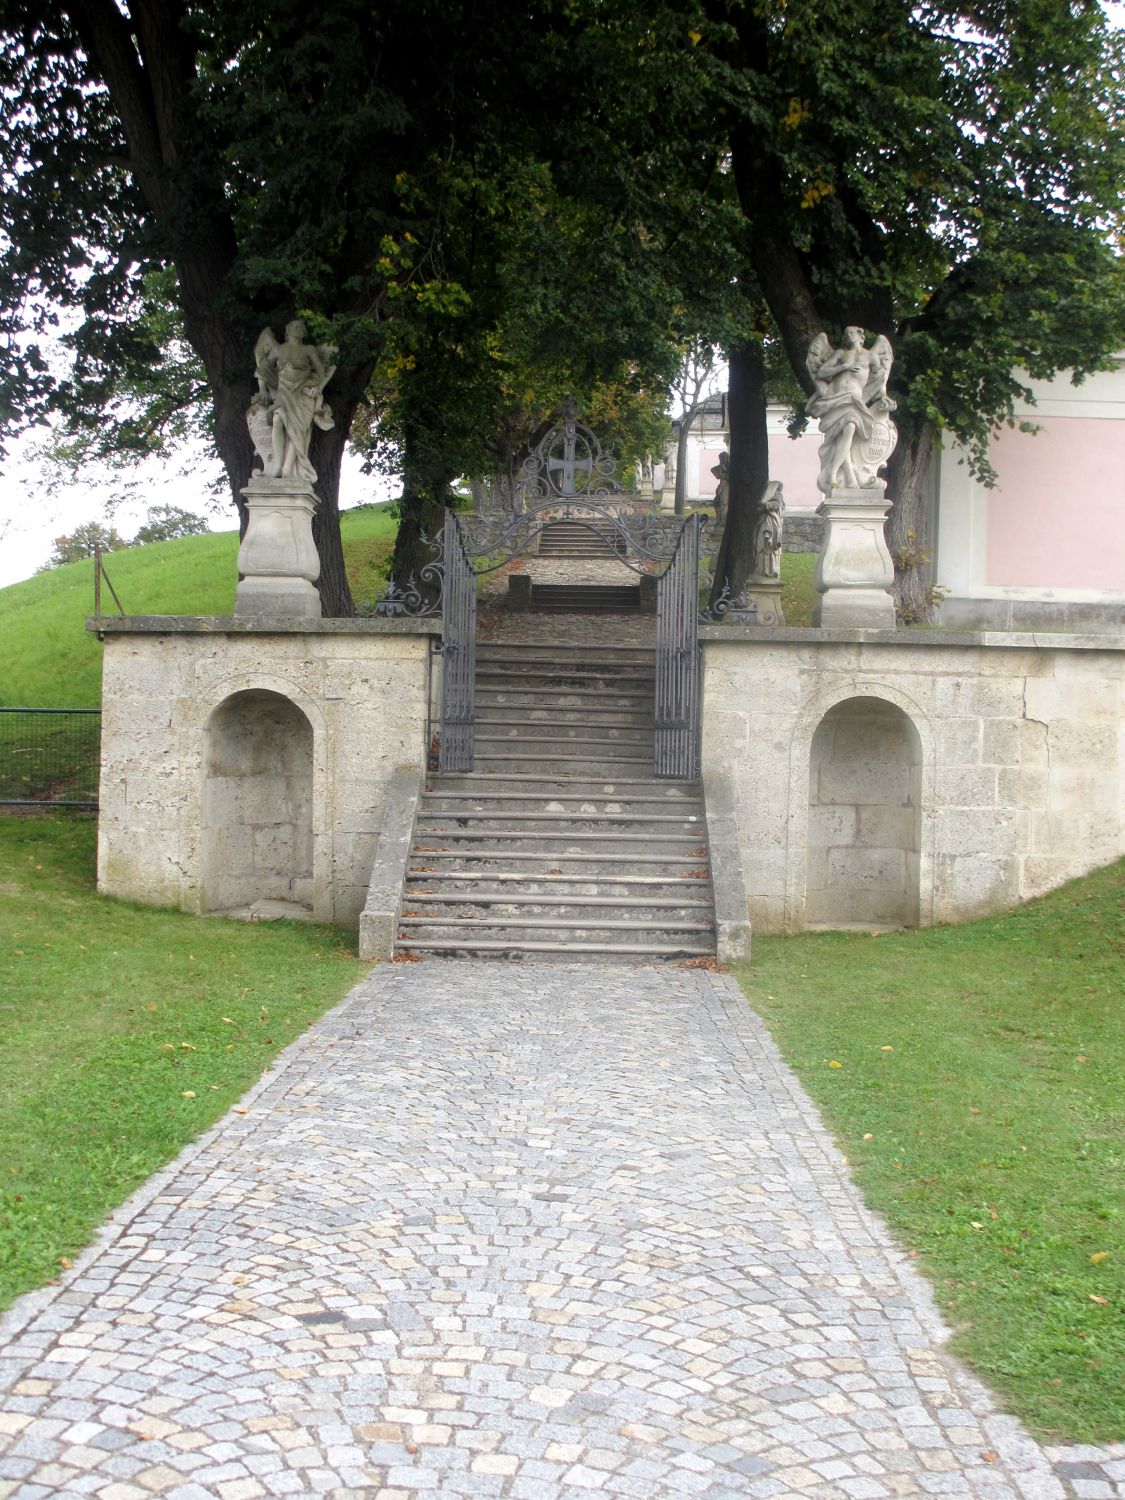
(278, 558)
(763, 596)
(854, 572)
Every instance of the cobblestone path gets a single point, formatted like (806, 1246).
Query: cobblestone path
(499, 1230)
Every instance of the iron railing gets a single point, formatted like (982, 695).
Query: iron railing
(678, 685)
(458, 652)
(49, 757)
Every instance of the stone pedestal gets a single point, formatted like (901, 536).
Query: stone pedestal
(763, 595)
(854, 572)
(278, 558)
(519, 591)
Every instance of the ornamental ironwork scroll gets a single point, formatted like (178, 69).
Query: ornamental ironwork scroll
(567, 463)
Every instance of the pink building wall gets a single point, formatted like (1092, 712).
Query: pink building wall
(1056, 518)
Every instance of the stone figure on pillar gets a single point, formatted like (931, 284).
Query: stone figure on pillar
(721, 472)
(852, 405)
(767, 533)
(290, 400)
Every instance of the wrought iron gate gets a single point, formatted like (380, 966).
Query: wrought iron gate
(676, 744)
(458, 651)
(678, 677)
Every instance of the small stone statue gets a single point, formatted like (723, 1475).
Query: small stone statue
(291, 380)
(721, 472)
(767, 532)
(851, 403)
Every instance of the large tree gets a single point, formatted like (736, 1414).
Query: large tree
(947, 175)
(263, 162)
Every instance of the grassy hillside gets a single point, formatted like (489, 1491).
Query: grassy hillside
(52, 661)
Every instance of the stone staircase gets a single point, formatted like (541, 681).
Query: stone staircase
(580, 539)
(560, 843)
(572, 598)
(577, 541)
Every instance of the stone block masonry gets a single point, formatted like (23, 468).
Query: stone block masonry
(886, 779)
(875, 778)
(245, 764)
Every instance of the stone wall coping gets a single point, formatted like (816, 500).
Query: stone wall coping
(1016, 640)
(750, 635)
(249, 625)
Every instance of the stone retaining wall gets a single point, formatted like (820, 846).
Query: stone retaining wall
(246, 762)
(873, 778)
(802, 532)
(882, 778)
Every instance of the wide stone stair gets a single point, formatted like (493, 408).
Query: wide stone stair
(561, 842)
(580, 539)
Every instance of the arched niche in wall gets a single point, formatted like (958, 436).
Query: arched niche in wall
(258, 806)
(864, 837)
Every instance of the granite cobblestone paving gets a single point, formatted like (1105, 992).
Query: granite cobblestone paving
(531, 1231)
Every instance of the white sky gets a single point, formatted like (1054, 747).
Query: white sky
(31, 515)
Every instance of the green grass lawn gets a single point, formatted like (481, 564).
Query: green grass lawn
(124, 1032)
(797, 591)
(52, 661)
(973, 1077)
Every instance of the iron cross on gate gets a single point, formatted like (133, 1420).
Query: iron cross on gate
(568, 466)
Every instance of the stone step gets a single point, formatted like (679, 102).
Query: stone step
(568, 952)
(554, 692)
(585, 717)
(639, 736)
(611, 757)
(439, 819)
(575, 598)
(521, 929)
(575, 715)
(603, 678)
(582, 549)
(590, 883)
(504, 803)
(527, 784)
(563, 656)
(493, 762)
(484, 900)
(560, 651)
(562, 841)
(568, 862)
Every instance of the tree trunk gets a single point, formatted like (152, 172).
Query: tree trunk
(908, 525)
(426, 493)
(680, 502)
(326, 452)
(749, 469)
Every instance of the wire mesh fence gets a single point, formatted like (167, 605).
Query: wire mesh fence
(49, 757)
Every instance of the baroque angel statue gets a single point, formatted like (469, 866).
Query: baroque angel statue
(852, 405)
(291, 380)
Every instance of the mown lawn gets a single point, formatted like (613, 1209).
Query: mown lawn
(124, 1032)
(52, 661)
(974, 1076)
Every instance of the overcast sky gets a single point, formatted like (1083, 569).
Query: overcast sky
(32, 514)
